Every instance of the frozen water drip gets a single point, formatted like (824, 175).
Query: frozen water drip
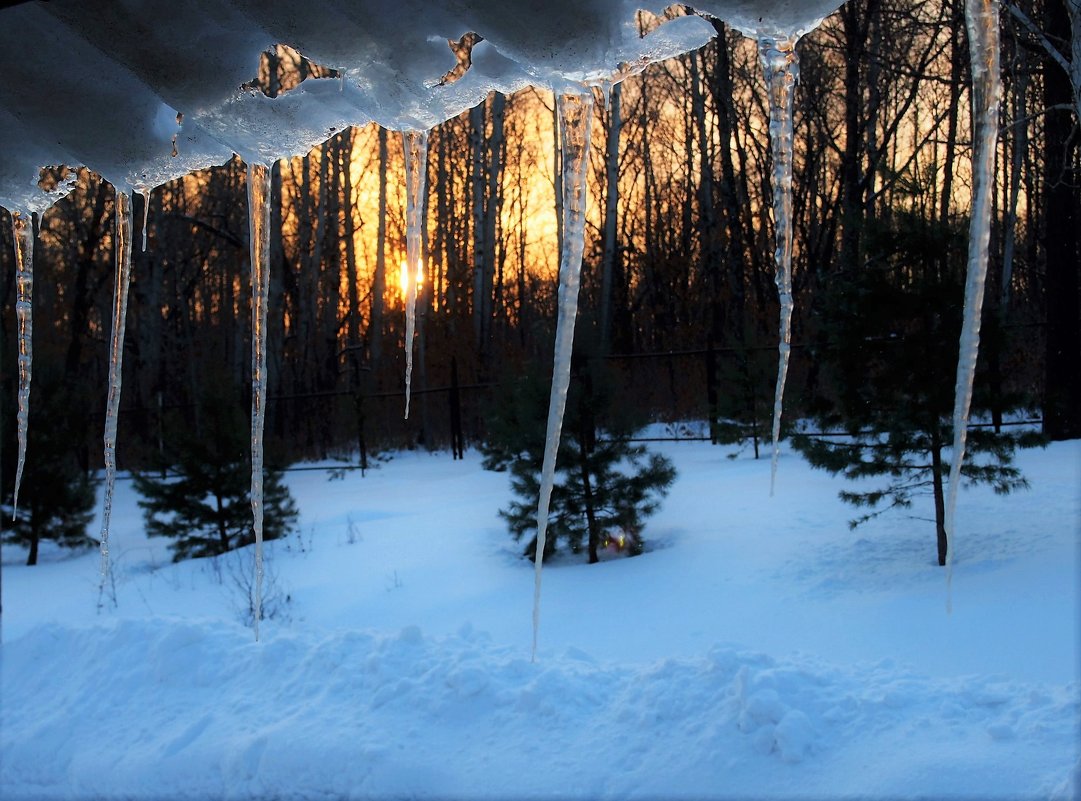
(415, 145)
(780, 66)
(121, 282)
(23, 231)
(575, 119)
(981, 18)
(259, 244)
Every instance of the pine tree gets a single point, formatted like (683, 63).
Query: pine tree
(605, 486)
(56, 497)
(888, 350)
(207, 509)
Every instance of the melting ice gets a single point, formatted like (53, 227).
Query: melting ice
(121, 283)
(415, 145)
(259, 244)
(575, 120)
(781, 68)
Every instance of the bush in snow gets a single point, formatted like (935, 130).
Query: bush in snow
(206, 508)
(56, 497)
(888, 357)
(605, 486)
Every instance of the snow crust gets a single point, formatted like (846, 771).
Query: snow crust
(114, 85)
(766, 653)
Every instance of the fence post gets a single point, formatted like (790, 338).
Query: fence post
(161, 433)
(711, 393)
(358, 400)
(457, 444)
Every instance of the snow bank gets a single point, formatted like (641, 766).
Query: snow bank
(189, 709)
(766, 652)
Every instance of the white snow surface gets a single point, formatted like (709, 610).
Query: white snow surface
(759, 649)
(101, 84)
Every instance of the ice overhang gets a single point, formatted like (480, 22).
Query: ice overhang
(143, 91)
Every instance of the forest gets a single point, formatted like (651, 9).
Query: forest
(678, 298)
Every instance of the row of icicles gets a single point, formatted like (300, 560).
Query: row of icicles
(575, 114)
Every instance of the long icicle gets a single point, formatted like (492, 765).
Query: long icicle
(575, 119)
(122, 255)
(981, 18)
(415, 145)
(781, 68)
(259, 244)
(23, 230)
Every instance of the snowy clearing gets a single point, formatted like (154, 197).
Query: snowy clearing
(759, 649)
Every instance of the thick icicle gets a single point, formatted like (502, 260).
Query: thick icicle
(575, 119)
(145, 193)
(981, 17)
(23, 229)
(259, 243)
(415, 145)
(781, 68)
(122, 281)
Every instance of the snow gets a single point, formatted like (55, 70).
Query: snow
(764, 651)
(758, 649)
(160, 88)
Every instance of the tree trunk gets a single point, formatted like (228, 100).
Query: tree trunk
(587, 488)
(1062, 388)
(480, 231)
(223, 532)
(940, 503)
(379, 285)
(32, 557)
(611, 213)
(957, 60)
(851, 157)
(492, 204)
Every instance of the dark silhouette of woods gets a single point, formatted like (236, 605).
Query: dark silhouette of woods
(678, 253)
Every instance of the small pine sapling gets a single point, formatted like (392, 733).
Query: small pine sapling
(605, 485)
(206, 508)
(57, 496)
(888, 354)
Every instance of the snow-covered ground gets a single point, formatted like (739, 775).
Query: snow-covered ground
(759, 649)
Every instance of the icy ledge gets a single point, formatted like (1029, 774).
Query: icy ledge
(143, 92)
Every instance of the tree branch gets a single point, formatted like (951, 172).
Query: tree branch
(1048, 45)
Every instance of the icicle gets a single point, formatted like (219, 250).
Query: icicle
(575, 118)
(259, 243)
(415, 145)
(122, 245)
(981, 17)
(145, 193)
(606, 93)
(781, 67)
(23, 229)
